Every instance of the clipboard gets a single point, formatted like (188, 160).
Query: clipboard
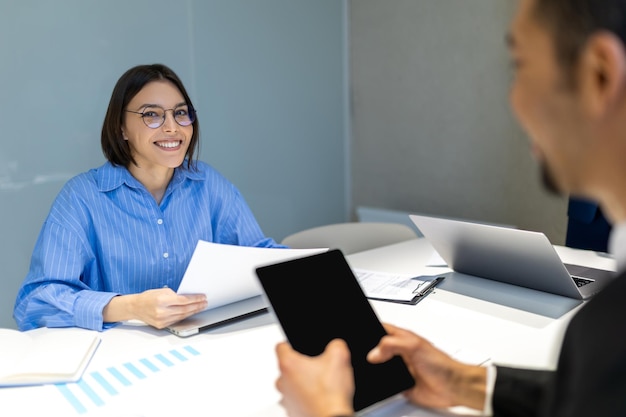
(420, 293)
(396, 288)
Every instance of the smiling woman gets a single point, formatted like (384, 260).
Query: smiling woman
(118, 238)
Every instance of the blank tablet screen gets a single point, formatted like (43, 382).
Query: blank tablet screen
(316, 299)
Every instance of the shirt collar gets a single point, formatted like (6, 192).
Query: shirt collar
(617, 245)
(110, 177)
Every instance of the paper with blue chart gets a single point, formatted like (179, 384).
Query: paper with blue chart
(142, 376)
(107, 390)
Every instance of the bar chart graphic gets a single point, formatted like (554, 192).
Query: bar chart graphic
(99, 387)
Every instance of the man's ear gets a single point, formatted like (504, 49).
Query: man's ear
(602, 73)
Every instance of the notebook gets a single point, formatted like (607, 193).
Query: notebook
(316, 299)
(509, 255)
(226, 274)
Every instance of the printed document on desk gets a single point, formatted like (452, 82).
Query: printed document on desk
(400, 288)
(226, 273)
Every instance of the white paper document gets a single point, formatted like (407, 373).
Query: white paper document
(393, 287)
(227, 273)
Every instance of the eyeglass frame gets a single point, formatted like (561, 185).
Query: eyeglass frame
(191, 112)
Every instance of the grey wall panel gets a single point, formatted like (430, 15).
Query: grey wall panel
(432, 131)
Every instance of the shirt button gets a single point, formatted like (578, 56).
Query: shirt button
(160, 221)
(166, 255)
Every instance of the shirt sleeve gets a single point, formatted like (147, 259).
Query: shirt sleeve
(53, 294)
(491, 382)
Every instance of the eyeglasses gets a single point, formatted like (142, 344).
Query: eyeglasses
(154, 116)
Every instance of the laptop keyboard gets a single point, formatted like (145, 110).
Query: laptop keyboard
(581, 282)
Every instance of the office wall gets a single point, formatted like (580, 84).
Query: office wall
(431, 127)
(266, 76)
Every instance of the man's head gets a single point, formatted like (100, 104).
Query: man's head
(569, 90)
(571, 23)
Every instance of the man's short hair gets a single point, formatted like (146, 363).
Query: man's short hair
(572, 22)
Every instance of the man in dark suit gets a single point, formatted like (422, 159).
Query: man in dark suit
(569, 94)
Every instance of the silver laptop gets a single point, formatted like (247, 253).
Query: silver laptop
(220, 316)
(509, 255)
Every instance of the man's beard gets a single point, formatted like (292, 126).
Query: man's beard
(548, 181)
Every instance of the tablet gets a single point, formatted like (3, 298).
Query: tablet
(316, 299)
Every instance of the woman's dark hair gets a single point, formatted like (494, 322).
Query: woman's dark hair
(114, 147)
(572, 22)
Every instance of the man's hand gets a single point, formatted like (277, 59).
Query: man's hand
(321, 386)
(440, 381)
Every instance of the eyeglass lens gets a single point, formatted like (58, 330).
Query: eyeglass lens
(154, 117)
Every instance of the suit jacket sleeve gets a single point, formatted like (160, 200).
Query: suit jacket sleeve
(518, 392)
(590, 379)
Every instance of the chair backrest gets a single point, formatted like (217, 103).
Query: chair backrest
(350, 237)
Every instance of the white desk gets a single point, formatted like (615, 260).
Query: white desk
(230, 371)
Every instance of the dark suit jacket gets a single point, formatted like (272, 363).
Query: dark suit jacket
(590, 379)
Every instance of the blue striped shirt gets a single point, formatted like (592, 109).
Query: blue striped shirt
(105, 235)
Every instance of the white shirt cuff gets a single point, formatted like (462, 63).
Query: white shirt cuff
(491, 382)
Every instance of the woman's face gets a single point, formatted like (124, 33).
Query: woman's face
(155, 147)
